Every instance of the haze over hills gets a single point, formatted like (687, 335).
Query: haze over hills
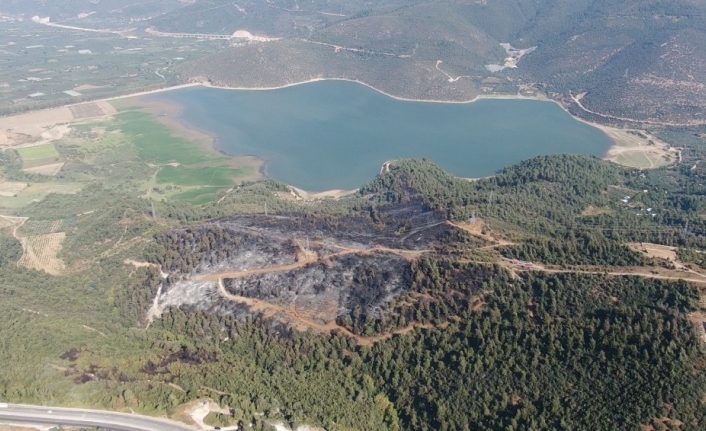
(92, 12)
(631, 59)
(622, 60)
(142, 270)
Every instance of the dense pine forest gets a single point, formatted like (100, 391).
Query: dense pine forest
(594, 339)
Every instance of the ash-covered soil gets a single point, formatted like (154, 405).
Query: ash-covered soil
(325, 291)
(215, 247)
(400, 227)
(318, 267)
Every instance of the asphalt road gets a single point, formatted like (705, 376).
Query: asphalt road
(15, 413)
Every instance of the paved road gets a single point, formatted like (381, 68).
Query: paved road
(15, 413)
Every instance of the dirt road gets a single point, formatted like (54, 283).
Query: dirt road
(306, 256)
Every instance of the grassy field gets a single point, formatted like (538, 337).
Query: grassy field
(131, 151)
(206, 176)
(198, 196)
(645, 159)
(41, 152)
(156, 144)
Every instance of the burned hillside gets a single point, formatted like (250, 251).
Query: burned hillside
(314, 269)
(330, 289)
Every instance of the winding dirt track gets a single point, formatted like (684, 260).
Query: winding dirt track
(290, 313)
(14, 220)
(305, 258)
(663, 274)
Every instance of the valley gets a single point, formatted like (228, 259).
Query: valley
(249, 215)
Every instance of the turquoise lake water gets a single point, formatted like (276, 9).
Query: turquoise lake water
(336, 134)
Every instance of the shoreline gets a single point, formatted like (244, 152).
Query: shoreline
(618, 136)
(172, 118)
(477, 98)
(169, 115)
(609, 131)
(365, 84)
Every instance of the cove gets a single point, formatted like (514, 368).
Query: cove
(336, 134)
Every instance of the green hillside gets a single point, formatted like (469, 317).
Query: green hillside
(594, 335)
(631, 61)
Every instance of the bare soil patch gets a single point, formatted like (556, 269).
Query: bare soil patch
(40, 253)
(182, 413)
(137, 264)
(479, 229)
(50, 170)
(35, 123)
(330, 194)
(86, 110)
(48, 124)
(655, 250)
(638, 149)
(8, 138)
(54, 133)
(699, 321)
(11, 189)
(86, 87)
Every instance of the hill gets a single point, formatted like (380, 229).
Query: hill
(622, 61)
(612, 62)
(103, 12)
(547, 289)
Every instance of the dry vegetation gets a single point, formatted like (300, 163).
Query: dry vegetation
(40, 252)
(638, 149)
(33, 124)
(592, 210)
(655, 251)
(49, 170)
(11, 188)
(288, 62)
(670, 87)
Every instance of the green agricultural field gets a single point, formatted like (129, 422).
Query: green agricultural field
(156, 144)
(130, 152)
(40, 152)
(207, 176)
(198, 196)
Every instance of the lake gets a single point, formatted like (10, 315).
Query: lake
(336, 134)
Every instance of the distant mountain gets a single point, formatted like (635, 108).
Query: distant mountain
(642, 60)
(92, 11)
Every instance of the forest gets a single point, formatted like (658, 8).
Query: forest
(455, 338)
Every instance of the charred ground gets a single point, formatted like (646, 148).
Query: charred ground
(539, 289)
(348, 269)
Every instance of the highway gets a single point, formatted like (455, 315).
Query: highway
(23, 414)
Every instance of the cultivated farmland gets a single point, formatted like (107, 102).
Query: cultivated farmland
(40, 253)
(40, 152)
